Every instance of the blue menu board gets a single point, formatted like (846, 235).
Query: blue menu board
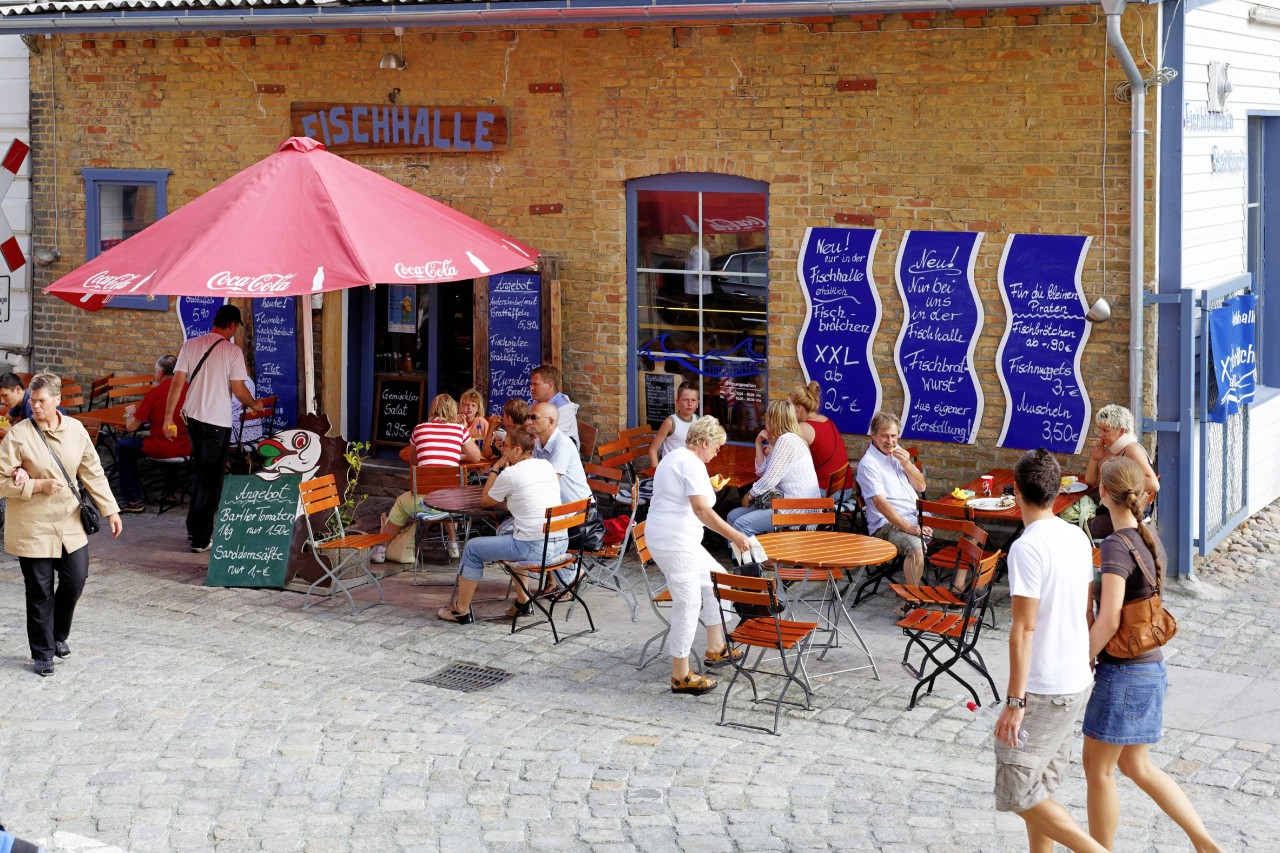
(1039, 356)
(275, 356)
(942, 318)
(841, 317)
(195, 314)
(515, 335)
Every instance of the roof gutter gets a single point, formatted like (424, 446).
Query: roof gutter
(479, 14)
(1114, 10)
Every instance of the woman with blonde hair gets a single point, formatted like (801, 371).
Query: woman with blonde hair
(1125, 711)
(682, 504)
(819, 432)
(471, 414)
(783, 465)
(1116, 438)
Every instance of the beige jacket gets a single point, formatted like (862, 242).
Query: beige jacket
(39, 525)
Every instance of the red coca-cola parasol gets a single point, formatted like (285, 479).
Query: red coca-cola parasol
(301, 221)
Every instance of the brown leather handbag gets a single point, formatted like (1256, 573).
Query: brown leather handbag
(1145, 623)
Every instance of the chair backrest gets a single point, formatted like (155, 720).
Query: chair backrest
(840, 479)
(642, 549)
(98, 390)
(968, 553)
(603, 480)
(803, 512)
(318, 495)
(744, 589)
(72, 399)
(587, 440)
(943, 509)
(119, 387)
(425, 479)
(267, 415)
(93, 426)
(980, 592)
(620, 453)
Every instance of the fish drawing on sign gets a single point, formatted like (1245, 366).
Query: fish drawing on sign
(294, 451)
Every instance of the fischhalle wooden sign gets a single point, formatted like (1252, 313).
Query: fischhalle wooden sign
(398, 128)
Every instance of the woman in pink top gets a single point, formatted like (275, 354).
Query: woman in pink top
(439, 441)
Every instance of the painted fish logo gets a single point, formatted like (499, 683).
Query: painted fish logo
(294, 451)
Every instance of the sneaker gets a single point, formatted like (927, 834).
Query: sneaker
(200, 549)
(61, 649)
(379, 554)
(43, 668)
(454, 552)
(135, 506)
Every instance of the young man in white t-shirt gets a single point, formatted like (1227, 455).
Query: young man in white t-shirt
(529, 487)
(1050, 569)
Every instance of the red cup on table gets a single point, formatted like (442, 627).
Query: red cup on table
(986, 485)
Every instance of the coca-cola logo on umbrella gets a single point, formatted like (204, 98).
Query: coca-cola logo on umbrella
(104, 282)
(269, 282)
(429, 271)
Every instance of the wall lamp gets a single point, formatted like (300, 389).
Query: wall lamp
(392, 61)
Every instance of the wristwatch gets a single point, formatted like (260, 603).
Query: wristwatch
(1016, 701)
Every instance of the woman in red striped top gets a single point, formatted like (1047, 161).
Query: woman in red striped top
(439, 441)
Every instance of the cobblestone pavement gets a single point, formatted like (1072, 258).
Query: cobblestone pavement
(196, 719)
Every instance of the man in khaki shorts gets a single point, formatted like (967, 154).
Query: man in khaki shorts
(1050, 569)
(891, 484)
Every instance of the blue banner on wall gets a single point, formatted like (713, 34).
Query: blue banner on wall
(842, 313)
(1039, 357)
(1231, 342)
(942, 318)
(195, 314)
(275, 356)
(515, 335)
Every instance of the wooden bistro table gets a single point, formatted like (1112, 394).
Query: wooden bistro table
(1011, 517)
(735, 462)
(826, 555)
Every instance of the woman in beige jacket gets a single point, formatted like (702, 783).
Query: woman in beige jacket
(42, 525)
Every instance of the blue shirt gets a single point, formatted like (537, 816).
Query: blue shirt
(563, 456)
(22, 411)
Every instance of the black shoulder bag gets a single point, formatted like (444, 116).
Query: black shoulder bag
(199, 364)
(90, 517)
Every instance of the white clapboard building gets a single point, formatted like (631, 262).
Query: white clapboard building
(15, 285)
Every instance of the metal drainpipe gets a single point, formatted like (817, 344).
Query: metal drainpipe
(1114, 9)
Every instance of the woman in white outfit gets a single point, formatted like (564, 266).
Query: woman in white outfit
(682, 504)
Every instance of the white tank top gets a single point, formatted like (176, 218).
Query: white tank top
(676, 438)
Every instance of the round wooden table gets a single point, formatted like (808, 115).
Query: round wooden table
(459, 500)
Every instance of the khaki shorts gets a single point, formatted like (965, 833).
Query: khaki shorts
(1027, 776)
(905, 542)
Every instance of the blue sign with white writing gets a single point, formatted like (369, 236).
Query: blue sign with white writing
(195, 314)
(942, 318)
(275, 356)
(841, 317)
(1039, 357)
(1231, 342)
(515, 335)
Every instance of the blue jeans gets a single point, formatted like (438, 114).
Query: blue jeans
(492, 549)
(751, 521)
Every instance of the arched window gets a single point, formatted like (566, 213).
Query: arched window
(698, 272)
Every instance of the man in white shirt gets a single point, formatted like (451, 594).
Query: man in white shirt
(214, 367)
(1050, 569)
(891, 484)
(544, 387)
(553, 446)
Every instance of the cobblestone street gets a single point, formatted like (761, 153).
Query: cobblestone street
(191, 719)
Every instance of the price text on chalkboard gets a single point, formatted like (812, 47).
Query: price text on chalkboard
(253, 532)
(397, 409)
(942, 318)
(515, 335)
(195, 314)
(841, 318)
(659, 397)
(275, 356)
(1039, 356)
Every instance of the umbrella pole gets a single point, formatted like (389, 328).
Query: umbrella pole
(308, 359)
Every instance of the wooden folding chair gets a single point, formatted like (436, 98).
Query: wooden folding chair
(587, 441)
(549, 589)
(423, 480)
(766, 633)
(968, 553)
(122, 388)
(622, 453)
(343, 571)
(603, 568)
(947, 637)
(97, 395)
(942, 556)
(840, 488)
(72, 397)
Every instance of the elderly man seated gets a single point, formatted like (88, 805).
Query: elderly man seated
(891, 484)
(130, 449)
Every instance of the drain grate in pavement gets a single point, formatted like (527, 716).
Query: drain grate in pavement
(466, 678)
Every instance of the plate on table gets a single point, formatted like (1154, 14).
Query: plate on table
(990, 504)
(1075, 488)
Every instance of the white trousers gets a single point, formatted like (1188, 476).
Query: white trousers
(688, 575)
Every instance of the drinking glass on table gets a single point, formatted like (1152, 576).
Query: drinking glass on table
(986, 485)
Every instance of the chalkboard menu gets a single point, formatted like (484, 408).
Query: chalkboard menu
(275, 356)
(515, 335)
(195, 314)
(397, 409)
(659, 397)
(253, 531)
(841, 317)
(1039, 356)
(942, 317)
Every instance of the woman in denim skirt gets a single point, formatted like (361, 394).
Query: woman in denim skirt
(1124, 713)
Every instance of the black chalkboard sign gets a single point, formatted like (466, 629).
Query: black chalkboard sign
(659, 397)
(515, 335)
(275, 356)
(397, 409)
(253, 531)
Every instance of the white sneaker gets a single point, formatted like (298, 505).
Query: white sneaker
(379, 554)
(454, 552)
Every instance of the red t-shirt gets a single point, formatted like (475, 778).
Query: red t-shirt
(151, 411)
(828, 450)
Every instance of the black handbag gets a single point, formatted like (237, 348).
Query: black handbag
(588, 536)
(90, 517)
(765, 501)
(754, 611)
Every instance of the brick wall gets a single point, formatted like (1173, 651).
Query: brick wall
(991, 122)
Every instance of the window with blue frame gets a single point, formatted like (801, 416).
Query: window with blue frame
(1264, 241)
(698, 255)
(118, 204)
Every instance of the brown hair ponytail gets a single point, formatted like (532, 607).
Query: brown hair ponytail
(1123, 480)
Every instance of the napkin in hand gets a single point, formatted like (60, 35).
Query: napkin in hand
(754, 554)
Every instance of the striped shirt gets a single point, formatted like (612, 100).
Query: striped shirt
(439, 444)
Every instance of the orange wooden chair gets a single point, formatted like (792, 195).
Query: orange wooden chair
(122, 388)
(603, 568)
(423, 480)
(766, 633)
(549, 588)
(346, 570)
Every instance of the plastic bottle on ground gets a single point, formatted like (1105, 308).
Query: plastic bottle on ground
(988, 716)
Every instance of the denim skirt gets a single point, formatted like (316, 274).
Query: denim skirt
(1127, 705)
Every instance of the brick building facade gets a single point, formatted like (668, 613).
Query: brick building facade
(993, 120)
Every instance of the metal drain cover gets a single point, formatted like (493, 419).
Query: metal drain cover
(466, 678)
